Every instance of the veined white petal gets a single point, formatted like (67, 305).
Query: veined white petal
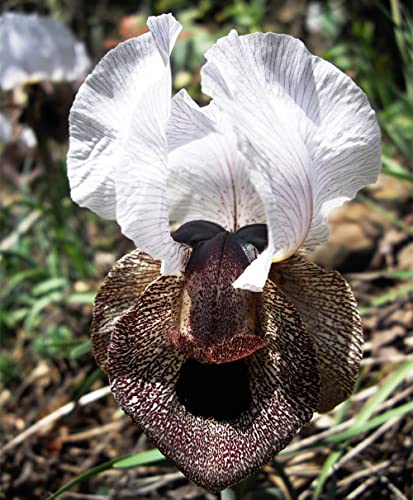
(117, 161)
(141, 203)
(345, 146)
(208, 177)
(188, 122)
(35, 48)
(308, 130)
(278, 157)
(165, 30)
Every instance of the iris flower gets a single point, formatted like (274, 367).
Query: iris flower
(36, 48)
(220, 339)
(36, 51)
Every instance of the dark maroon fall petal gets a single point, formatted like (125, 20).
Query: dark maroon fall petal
(121, 289)
(217, 422)
(329, 312)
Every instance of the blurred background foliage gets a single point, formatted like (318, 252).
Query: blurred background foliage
(53, 255)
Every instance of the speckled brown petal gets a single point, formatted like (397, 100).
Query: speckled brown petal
(121, 289)
(167, 394)
(329, 312)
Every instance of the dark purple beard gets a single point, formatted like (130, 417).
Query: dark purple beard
(216, 322)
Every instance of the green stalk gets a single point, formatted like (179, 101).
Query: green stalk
(397, 20)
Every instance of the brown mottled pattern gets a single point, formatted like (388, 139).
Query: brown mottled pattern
(329, 312)
(143, 368)
(217, 323)
(121, 289)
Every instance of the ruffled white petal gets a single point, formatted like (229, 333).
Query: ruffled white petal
(345, 146)
(308, 130)
(35, 48)
(208, 176)
(117, 161)
(165, 30)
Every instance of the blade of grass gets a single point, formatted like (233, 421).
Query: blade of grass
(390, 296)
(386, 214)
(335, 454)
(343, 439)
(81, 349)
(228, 494)
(286, 480)
(399, 175)
(49, 285)
(393, 167)
(383, 393)
(23, 276)
(34, 316)
(325, 471)
(371, 424)
(82, 477)
(363, 423)
(86, 298)
(397, 20)
(144, 458)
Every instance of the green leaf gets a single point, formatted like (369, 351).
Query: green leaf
(81, 298)
(23, 276)
(335, 454)
(49, 285)
(13, 318)
(143, 458)
(228, 494)
(38, 307)
(81, 349)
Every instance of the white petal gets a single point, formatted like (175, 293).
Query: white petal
(141, 204)
(165, 30)
(255, 275)
(346, 145)
(82, 63)
(10, 133)
(208, 177)
(34, 48)
(188, 122)
(313, 18)
(278, 158)
(311, 132)
(6, 129)
(117, 161)
(27, 137)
